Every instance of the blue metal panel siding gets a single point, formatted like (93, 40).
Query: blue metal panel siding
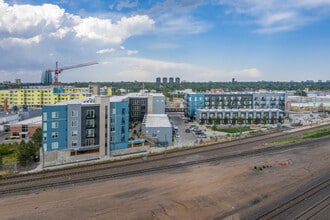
(61, 130)
(194, 101)
(119, 128)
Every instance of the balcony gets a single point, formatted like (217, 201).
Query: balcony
(90, 135)
(90, 126)
(90, 116)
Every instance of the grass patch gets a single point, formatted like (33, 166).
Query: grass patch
(305, 136)
(232, 130)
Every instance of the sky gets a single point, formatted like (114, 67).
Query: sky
(136, 40)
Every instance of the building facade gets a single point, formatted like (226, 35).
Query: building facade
(239, 116)
(234, 100)
(141, 104)
(25, 128)
(43, 95)
(119, 118)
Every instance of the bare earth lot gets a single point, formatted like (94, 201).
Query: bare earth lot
(207, 191)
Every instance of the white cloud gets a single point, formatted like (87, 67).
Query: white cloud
(14, 41)
(132, 52)
(25, 20)
(39, 35)
(109, 50)
(246, 74)
(181, 25)
(277, 16)
(126, 4)
(93, 28)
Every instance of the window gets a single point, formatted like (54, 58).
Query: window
(45, 116)
(74, 133)
(90, 113)
(89, 142)
(24, 128)
(55, 145)
(74, 113)
(45, 126)
(45, 136)
(74, 123)
(113, 111)
(55, 124)
(90, 133)
(112, 138)
(54, 135)
(74, 143)
(90, 123)
(54, 114)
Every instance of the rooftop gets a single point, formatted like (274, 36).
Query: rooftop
(87, 100)
(35, 120)
(117, 98)
(156, 120)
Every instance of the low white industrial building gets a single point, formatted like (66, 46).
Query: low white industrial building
(157, 127)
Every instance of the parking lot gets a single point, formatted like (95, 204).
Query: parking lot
(184, 138)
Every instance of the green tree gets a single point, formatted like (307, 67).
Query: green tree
(233, 120)
(240, 120)
(37, 140)
(25, 152)
(264, 120)
(226, 120)
(217, 120)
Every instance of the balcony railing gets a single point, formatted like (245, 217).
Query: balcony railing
(90, 126)
(90, 135)
(89, 116)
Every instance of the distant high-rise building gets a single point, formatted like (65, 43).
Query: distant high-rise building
(171, 80)
(18, 81)
(164, 80)
(46, 78)
(158, 80)
(177, 80)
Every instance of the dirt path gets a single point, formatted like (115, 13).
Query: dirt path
(207, 191)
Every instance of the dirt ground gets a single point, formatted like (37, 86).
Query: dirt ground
(208, 191)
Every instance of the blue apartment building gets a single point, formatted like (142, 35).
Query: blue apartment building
(119, 117)
(54, 127)
(234, 101)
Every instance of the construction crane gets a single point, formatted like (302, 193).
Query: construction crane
(58, 70)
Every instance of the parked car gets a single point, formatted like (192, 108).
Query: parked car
(177, 135)
(187, 130)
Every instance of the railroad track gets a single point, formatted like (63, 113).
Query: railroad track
(89, 178)
(287, 207)
(101, 171)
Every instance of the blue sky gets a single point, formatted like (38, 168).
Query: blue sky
(211, 40)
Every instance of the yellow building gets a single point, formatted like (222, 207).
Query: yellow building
(40, 96)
